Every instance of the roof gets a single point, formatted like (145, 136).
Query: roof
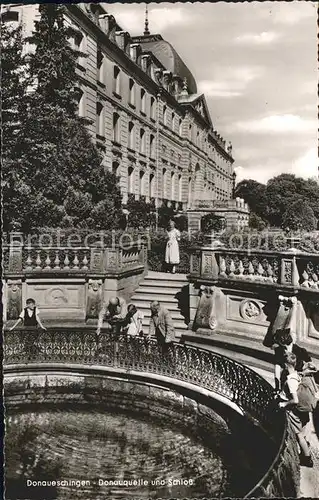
(168, 56)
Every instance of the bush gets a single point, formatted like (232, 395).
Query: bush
(256, 222)
(212, 222)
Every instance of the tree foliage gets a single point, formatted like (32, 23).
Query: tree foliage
(274, 202)
(59, 178)
(141, 214)
(299, 215)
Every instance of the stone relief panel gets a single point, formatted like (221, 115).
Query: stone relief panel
(248, 310)
(57, 296)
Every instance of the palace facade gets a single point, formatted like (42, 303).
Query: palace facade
(147, 118)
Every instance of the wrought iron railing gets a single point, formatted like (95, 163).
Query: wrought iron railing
(197, 366)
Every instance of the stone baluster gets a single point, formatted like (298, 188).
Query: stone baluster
(315, 281)
(222, 267)
(260, 272)
(85, 262)
(29, 260)
(48, 261)
(251, 271)
(241, 270)
(270, 274)
(38, 261)
(232, 269)
(76, 260)
(66, 263)
(305, 277)
(57, 260)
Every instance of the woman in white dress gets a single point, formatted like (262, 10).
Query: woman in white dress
(172, 248)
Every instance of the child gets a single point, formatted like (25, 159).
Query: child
(134, 318)
(29, 316)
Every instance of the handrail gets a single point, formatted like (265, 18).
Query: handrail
(198, 366)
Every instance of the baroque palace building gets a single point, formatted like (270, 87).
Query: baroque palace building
(147, 118)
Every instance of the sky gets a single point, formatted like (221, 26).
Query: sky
(256, 63)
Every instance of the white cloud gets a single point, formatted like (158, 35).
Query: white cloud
(278, 124)
(235, 81)
(264, 38)
(307, 165)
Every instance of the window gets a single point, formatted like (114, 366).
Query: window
(142, 179)
(132, 92)
(165, 115)
(115, 168)
(131, 135)
(142, 141)
(151, 185)
(80, 45)
(130, 180)
(99, 119)
(173, 186)
(100, 66)
(180, 187)
(116, 127)
(173, 122)
(153, 108)
(80, 96)
(10, 16)
(143, 101)
(180, 126)
(164, 182)
(117, 81)
(152, 146)
(189, 191)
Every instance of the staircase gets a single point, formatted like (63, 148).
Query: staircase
(171, 290)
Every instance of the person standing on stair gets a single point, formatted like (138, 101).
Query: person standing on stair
(161, 325)
(172, 247)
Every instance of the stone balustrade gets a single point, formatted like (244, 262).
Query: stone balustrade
(69, 283)
(286, 269)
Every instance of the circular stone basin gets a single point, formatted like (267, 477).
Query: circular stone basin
(118, 456)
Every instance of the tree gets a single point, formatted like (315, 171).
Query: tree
(141, 214)
(61, 171)
(165, 214)
(299, 215)
(14, 81)
(254, 193)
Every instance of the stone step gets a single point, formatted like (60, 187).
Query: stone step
(162, 289)
(160, 283)
(148, 297)
(166, 276)
(144, 306)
